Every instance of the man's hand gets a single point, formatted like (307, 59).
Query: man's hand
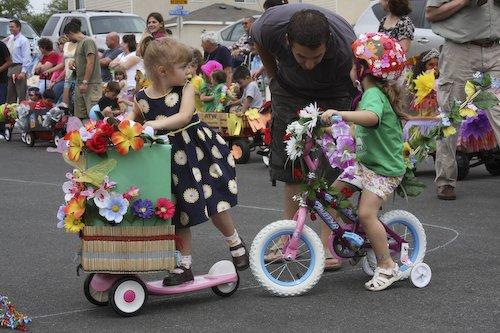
(256, 74)
(107, 112)
(72, 64)
(21, 76)
(83, 88)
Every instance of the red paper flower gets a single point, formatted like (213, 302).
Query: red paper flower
(313, 217)
(98, 143)
(165, 209)
(105, 128)
(346, 192)
(297, 174)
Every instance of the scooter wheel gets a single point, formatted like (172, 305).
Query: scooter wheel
(226, 289)
(128, 296)
(420, 275)
(100, 298)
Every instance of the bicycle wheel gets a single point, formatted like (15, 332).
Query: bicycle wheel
(408, 227)
(287, 277)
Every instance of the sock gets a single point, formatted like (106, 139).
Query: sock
(186, 262)
(234, 240)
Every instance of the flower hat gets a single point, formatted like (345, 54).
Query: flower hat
(211, 66)
(384, 55)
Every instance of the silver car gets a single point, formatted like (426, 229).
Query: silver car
(229, 35)
(424, 39)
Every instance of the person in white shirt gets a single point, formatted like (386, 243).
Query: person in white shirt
(128, 62)
(19, 47)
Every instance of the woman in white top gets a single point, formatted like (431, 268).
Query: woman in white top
(128, 62)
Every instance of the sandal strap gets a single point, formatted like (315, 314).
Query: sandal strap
(239, 246)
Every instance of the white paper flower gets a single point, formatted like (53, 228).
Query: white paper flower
(296, 129)
(293, 150)
(312, 112)
(171, 99)
(191, 195)
(101, 197)
(86, 135)
(180, 157)
(149, 131)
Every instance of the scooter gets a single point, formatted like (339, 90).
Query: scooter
(128, 293)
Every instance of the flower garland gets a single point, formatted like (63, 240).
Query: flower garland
(8, 113)
(10, 317)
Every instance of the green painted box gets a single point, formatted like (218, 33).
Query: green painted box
(147, 169)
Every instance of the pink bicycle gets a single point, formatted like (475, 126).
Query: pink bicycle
(300, 261)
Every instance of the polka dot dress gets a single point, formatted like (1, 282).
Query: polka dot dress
(203, 169)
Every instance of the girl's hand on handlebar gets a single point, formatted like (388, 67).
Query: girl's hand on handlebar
(329, 116)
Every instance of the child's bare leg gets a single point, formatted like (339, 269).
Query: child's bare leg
(183, 272)
(66, 95)
(224, 222)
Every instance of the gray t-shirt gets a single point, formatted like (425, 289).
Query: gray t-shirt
(330, 78)
(84, 48)
(252, 90)
(111, 54)
(469, 23)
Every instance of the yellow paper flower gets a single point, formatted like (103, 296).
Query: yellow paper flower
(470, 89)
(72, 224)
(128, 135)
(407, 150)
(75, 145)
(467, 112)
(424, 84)
(449, 131)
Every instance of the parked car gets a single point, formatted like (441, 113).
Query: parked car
(424, 39)
(26, 30)
(96, 24)
(229, 35)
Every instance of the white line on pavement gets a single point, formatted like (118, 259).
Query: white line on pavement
(28, 182)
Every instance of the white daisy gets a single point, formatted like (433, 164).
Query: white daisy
(230, 160)
(201, 135)
(143, 105)
(223, 206)
(186, 137)
(191, 195)
(184, 218)
(175, 179)
(199, 154)
(197, 174)
(232, 186)
(312, 112)
(293, 149)
(180, 157)
(215, 170)
(216, 152)
(171, 99)
(220, 139)
(208, 132)
(207, 191)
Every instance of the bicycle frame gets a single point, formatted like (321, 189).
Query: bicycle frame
(305, 205)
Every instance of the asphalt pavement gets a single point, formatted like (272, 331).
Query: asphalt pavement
(38, 274)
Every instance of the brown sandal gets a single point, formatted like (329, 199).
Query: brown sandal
(241, 262)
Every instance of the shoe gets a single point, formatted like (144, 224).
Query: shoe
(176, 278)
(446, 192)
(241, 262)
(383, 278)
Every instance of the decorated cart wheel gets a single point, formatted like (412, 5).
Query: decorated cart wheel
(100, 298)
(7, 134)
(226, 289)
(29, 139)
(463, 164)
(493, 164)
(241, 151)
(128, 296)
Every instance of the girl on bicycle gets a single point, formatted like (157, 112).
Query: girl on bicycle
(203, 169)
(379, 61)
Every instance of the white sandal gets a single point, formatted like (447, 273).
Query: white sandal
(383, 278)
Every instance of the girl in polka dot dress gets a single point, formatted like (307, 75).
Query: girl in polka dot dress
(203, 170)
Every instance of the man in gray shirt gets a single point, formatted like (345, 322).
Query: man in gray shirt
(306, 52)
(471, 29)
(113, 51)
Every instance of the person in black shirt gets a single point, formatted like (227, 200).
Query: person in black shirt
(5, 63)
(214, 51)
(108, 104)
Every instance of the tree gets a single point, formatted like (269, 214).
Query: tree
(38, 21)
(16, 8)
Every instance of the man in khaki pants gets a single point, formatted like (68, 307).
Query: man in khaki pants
(471, 29)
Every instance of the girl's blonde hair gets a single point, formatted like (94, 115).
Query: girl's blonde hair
(395, 94)
(165, 52)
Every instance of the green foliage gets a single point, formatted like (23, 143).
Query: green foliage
(15, 8)
(23, 10)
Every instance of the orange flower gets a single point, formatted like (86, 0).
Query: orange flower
(75, 145)
(127, 136)
(76, 207)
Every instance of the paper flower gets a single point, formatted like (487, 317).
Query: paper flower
(115, 207)
(128, 135)
(467, 112)
(407, 150)
(143, 209)
(312, 112)
(470, 89)
(165, 209)
(61, 215)
(101, 197)
(71, 189)
(424, 85)
(73, 224)
(104, 128)
(149, 131)
(131, 193)
(449, 131)
(445, 121)
(86, 134)
(98, 143)
(75, 145)
(75, 207)
(293, 148)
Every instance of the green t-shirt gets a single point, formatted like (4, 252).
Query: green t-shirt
(380, 148)
(85, 47)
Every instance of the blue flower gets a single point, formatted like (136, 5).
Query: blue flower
(446, 121)
(60, 216)
(114, 208)
(143, 209)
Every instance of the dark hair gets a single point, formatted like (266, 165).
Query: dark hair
(49, 94)
(113, 87)
(34, 90)
(168, 32)
(419, 67)
(46, 44)
(159, 18)
(74, 26)
(219, 76)
(273, 3)
(241, 73)
(399, 7)
(16, 22)
(130, 41)
(121, 72)
(198, 59)
(308, 27)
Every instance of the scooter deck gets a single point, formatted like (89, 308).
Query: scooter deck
(200, 282)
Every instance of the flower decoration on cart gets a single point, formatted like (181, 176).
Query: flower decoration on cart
(90, 192)
(8, 113)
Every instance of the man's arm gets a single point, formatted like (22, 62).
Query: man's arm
(268, 60)
(26, 54)
(104, 62)
(7, 64)
(436, 14)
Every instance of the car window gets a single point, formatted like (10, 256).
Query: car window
(85, 27)
(4, 29)
(238, 31)
(120, 24)
(227, 32)
(26, 30)
(417, 15)
(50, 26)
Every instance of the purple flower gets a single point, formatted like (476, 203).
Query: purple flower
(60, 216)
(143, 208)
